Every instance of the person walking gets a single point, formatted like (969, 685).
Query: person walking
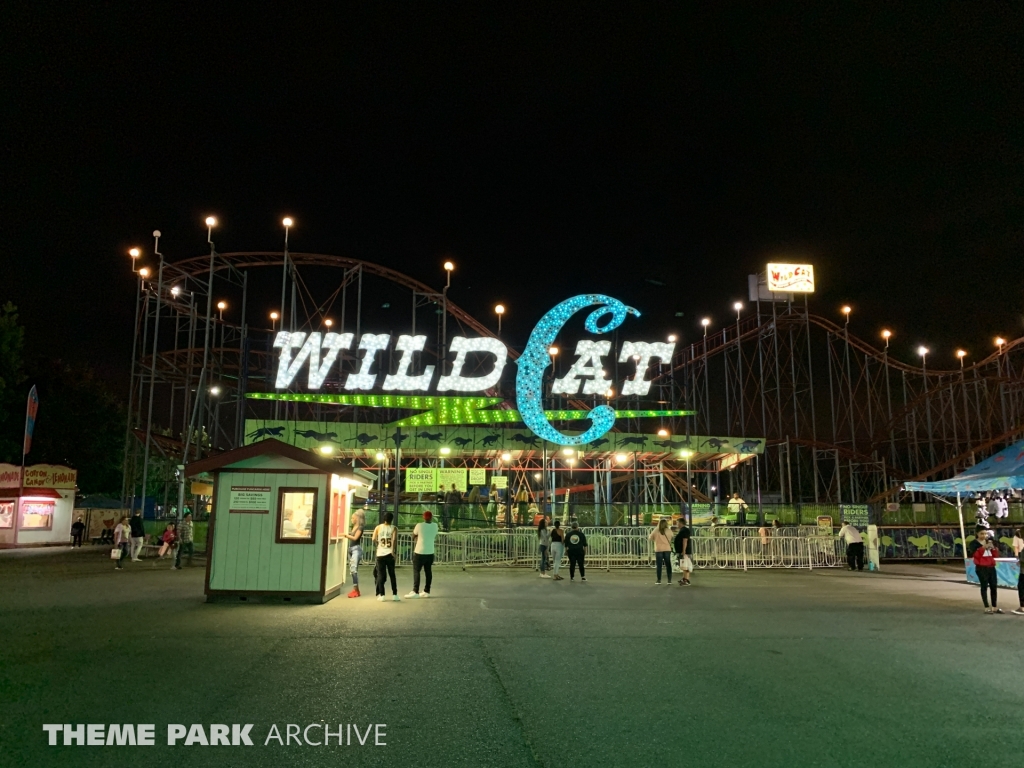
(662, 550)
(681, 544)
(77, 532)
(122, 539)
(355, 548)
(423, 536)
(557, 549)
(576, 546)
(543, 546)
(983, 553)
(384, 538)
(138, 530)
(854, 547)
(185, 541)
(1018, 551)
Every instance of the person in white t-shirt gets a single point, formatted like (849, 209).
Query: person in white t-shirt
(423, 536)
(854, 547)
(384, 538)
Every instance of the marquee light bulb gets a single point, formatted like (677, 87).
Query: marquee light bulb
(211, 221)
(287, 221)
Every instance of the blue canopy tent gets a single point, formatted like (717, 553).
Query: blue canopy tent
(1001, 472)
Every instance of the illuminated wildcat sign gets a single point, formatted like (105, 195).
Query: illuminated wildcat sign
(319, 352)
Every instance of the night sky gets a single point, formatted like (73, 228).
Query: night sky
(550, 150)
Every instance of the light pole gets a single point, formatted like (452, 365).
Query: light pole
(221, 306)
(688, 454)
(449, 267)
(273, 321)
(923, 352)
(499, 310)
(886, 335)
(705, 322)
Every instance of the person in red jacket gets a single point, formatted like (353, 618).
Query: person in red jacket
(983, 553)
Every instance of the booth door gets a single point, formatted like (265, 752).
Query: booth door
(337, 547)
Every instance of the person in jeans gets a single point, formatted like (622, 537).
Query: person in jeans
(77, 532)
(423, 536)
(662, 550)
(682, 544)
(138, 534)
(543, 546)
(384, 538)
(185, 541)
(122, 538)
(557, 549)
(983, 553)
(576, 546)
(355, 548)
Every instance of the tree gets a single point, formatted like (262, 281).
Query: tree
(12, 379)
(81, 424)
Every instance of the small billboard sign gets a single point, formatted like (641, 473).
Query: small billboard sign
(790, 278)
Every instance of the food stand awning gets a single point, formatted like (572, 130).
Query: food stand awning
(997, 473)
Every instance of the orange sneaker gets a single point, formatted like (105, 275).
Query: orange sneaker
(354, 592)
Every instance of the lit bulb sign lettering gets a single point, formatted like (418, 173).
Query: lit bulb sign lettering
(587, 375)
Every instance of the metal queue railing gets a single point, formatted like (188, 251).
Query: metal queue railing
(518, 548)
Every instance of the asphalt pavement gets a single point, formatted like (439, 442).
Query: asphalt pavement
(502, 668)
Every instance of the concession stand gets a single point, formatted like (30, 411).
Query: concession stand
(276, 532)
(36, 510)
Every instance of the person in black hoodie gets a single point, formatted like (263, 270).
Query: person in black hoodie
(77, 531)
(576, 547)
(681, 544)
(138, 534)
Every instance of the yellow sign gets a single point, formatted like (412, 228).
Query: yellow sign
(790, 278)
(202, 489)
(39, 476)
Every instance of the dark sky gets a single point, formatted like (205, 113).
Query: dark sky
(552, 149)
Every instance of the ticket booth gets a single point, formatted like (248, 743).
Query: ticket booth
(277, 523)
(36, 510)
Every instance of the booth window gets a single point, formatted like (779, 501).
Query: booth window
(6, 514)
(296, 515)
(37, 515)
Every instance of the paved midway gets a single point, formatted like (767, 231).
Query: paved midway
(501, 668)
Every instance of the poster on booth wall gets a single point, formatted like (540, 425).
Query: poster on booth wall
(249, 498)
(447, 476)
(500, 481)
(478, 476)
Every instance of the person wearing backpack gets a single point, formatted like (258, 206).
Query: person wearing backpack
(384, 538)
